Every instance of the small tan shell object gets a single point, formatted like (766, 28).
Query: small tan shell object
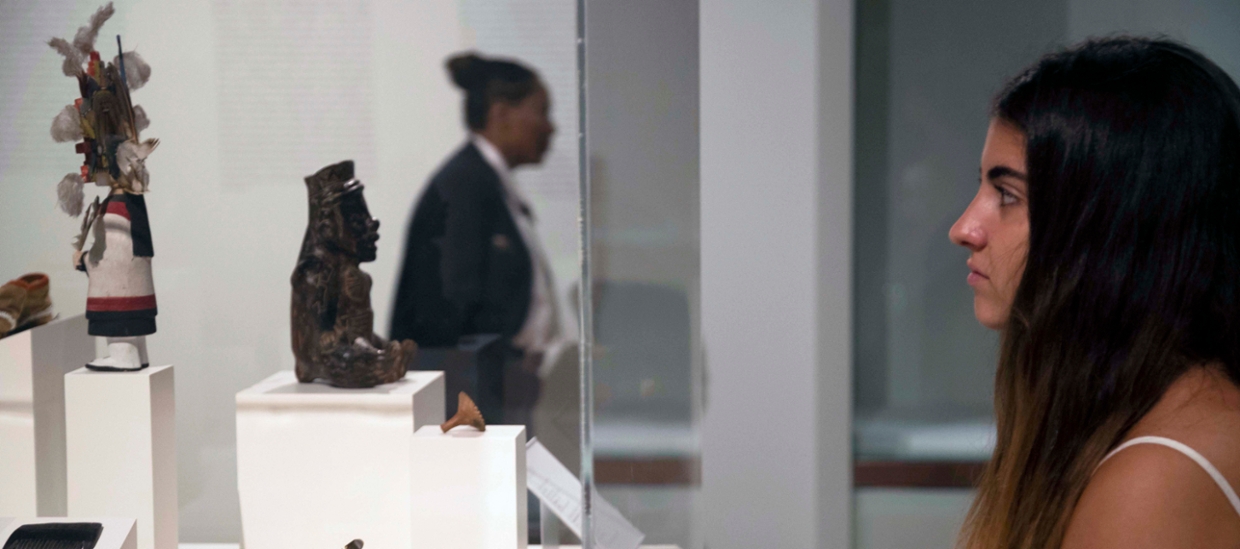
(466, 414)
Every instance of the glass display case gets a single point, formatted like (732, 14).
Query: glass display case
(250, 98)
(642, 220)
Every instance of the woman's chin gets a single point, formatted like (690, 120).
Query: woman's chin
(988, 314)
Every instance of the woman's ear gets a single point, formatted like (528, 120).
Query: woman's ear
(498, 114)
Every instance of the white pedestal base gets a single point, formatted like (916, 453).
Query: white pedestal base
(319, 466)
(33, 365)
(469, 488)
(118, 533)
(121, 444)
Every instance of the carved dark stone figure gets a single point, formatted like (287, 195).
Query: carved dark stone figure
(332, 322)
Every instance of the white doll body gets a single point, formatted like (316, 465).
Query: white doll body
(120, 302)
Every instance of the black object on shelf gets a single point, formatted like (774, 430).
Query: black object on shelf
(55, 535)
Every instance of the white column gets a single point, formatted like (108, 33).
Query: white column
(120, 439)
(469, 488)
(33, 365)
(776, 138)
(319, 466)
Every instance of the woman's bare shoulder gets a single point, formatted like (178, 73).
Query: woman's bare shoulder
(1202, 411)
(1149, 495)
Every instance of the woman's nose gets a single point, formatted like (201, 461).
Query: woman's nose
(967, 231)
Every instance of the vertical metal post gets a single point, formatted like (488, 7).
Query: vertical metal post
(586, 295)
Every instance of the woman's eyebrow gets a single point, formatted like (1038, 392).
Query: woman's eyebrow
(1004, 171)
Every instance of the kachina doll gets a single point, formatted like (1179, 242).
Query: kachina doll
(120, 302)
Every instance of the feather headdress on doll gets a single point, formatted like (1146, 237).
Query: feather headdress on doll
(103, 122)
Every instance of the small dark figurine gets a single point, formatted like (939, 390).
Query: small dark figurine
(333, 324)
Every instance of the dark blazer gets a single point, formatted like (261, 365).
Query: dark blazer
(466, 268)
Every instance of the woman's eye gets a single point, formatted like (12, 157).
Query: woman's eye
(1006, 197)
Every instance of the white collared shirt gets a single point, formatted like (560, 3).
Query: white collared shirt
(541, 330)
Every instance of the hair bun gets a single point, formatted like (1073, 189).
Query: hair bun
(468, 70)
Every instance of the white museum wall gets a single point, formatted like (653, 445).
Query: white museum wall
(247, 98)
(776, 138)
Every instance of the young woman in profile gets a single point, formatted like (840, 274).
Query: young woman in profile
(1105, 247)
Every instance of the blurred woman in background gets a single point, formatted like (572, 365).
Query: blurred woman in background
(473, 262)
(1105, 247)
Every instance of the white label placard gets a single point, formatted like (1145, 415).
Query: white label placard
(560, 491)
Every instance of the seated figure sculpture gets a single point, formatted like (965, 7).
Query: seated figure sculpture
(332, 321)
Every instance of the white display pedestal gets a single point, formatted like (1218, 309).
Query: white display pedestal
(121, 444)
(118, 533)
(33, 365)
(319, 466)
(469, 488)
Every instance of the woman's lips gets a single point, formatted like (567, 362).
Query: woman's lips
(975, 276)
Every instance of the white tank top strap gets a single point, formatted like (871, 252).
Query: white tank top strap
(1193, 455)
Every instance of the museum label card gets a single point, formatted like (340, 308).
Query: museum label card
(560, 491)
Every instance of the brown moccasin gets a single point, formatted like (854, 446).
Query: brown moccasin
(25, 303)
(37, 307)
(12, 296)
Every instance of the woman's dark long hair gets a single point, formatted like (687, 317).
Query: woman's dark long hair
(1133, 269)
(486, 81)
